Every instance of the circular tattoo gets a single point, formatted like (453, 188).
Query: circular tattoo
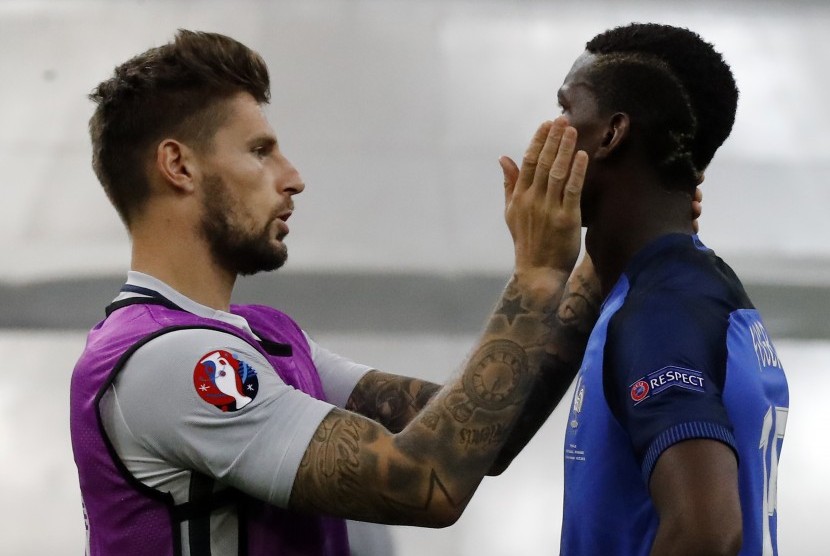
(498, 369)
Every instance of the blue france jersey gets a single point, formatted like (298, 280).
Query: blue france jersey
(678, 352)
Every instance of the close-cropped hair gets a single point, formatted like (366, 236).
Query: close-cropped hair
(175, 90)
(681, 57)
(660, 112)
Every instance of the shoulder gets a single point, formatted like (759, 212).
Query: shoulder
(174, 361)
(272, 323)
(688, 272)
(677, 311)
(186, 343)
(253, 310)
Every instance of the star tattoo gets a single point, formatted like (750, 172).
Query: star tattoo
(512, 308)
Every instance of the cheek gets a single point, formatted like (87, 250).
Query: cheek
(257, 198)
(590, 138)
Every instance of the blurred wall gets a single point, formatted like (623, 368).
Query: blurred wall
(396, 112)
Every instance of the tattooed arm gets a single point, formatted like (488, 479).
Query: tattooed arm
(426, 473)
(391, 400)
(564, 339)
(394, 400)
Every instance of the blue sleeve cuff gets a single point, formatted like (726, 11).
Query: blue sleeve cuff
(685, 431)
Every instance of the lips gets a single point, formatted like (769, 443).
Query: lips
(281, 226)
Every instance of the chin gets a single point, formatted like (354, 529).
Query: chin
(587, 217)
(256, 261)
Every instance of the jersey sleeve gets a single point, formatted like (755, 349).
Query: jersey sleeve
(338, 374)
(664, 370)
(206, 400)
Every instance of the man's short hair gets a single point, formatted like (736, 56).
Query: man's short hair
(175, 90)
(679, 90)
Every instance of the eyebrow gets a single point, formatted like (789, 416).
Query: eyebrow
(263, 141)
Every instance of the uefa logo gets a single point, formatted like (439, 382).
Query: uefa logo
(639, 391)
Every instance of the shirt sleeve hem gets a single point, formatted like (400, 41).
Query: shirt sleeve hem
(685, 431)
(306, 422)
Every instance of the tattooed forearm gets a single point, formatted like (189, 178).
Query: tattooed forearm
(449, 436)
(491, 434)
(548, 390)
(493, 381)
(496, 374)
(565, 338)
(389, 399)
(580, 304)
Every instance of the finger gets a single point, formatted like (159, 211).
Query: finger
(558, 175)
(511, 175)
(531, 157)
(548, 155)
(697, 209)
(697, 206)
(573, 189)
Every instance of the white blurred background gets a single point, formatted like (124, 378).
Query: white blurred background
(395, 112)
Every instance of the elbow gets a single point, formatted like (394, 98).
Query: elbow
(439, 518)
(729, 545)
(732, 543)
(441, 514)
(497, 468)
(726, 545)
(723, 540)
(711, 542)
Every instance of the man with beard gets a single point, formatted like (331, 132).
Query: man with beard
(681, 402)
(200, 427)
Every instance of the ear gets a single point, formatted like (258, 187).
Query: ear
(616, 134)
(175, 164)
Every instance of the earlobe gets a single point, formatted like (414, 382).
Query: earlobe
(616, 134)
(174, 163)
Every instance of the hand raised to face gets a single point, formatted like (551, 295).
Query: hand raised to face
(542, 199)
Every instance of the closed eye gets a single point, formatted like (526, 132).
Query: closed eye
(262, 151)
(263, 147)
(560, 101)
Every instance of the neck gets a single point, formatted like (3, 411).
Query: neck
(624, 225)
(185, 264)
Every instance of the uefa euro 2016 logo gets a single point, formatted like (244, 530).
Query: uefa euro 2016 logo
(225, 381)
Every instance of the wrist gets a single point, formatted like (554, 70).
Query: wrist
(541, 286)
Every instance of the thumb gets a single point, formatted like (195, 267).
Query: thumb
(511, 175)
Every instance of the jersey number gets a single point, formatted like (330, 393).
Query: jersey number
(775, 422)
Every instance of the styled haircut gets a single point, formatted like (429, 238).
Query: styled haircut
(175, 90)
(679, 90)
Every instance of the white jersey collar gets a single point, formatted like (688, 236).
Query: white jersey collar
(135, 278)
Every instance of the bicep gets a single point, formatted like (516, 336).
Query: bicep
(250, 433)
(694, 488)
(663, 375)
(338, 374)
(353, 468)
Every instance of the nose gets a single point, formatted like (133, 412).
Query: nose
(290, 182)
